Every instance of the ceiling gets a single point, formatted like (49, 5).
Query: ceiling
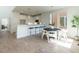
(35, 10)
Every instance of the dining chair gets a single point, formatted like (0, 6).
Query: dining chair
(63, 34)
(49, 34)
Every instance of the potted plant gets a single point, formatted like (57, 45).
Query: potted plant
(75, 23)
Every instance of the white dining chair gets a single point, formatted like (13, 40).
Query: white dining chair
(49, 34)
(63, 34)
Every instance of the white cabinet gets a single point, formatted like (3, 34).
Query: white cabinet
(23, 30)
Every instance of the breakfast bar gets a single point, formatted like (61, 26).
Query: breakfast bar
(28, 30)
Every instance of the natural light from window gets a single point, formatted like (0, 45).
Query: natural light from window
(63, 42)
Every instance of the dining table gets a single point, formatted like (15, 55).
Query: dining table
(51, 30)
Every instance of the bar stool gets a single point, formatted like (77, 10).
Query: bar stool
(36, 29)
(41, 27)
(30, 30)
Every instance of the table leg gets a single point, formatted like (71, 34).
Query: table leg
(57, 35)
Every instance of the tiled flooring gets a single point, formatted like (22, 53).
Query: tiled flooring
(33, 44)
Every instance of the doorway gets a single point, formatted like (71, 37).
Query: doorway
(4, 24)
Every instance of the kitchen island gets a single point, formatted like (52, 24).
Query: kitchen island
(28, 30)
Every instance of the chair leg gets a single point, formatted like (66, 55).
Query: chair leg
(42, 35)
(48, 39)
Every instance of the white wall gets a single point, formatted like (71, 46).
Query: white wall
(13, 23)
(5, 12)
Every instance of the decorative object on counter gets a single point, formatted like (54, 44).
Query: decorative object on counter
(37, 21)
(29, 23)
(51, 26)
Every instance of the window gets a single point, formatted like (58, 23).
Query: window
(63, 21)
